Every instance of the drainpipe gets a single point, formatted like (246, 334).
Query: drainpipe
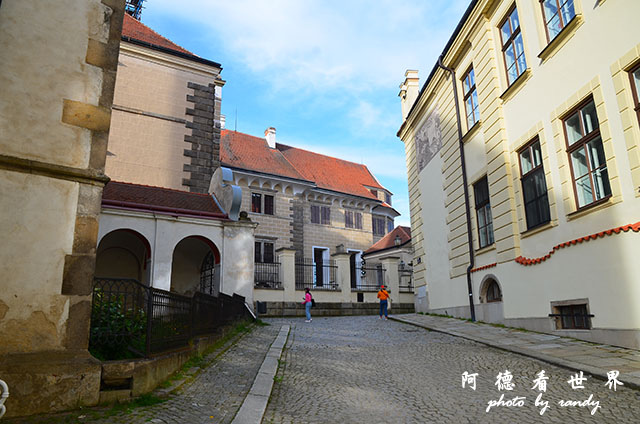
(466, 189)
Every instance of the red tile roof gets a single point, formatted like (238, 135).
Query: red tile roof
(135, 29)
(389, 241)
(252, 153)
(245, 151)
(158, 199)
(332, 173)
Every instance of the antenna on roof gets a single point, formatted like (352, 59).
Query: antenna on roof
(236, 127)
(134, 8)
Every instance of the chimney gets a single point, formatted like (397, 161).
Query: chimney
(408, 91)
(270, 136)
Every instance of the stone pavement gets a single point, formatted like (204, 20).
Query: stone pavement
(213, 395)
(592, 358)
(362, 370)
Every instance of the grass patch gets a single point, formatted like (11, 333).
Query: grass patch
(261, 323)
(201, 361)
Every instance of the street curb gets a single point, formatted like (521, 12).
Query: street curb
(255, 404)
(600, 373)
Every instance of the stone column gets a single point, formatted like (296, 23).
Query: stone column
(343, 275)
(392, 277)
(287, 258)
(237, 259)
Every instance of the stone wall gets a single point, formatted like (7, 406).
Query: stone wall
(52, 155)
(166, 120)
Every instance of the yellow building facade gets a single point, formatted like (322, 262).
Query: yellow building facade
(549, 134)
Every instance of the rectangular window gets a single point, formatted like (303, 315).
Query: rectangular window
(483, 213)
(325, 215)
(586, 155)
(264, 252)
(320, 215)
(557, 14)
(256, 202)
(348, 219)
(390, 225)
(574, 316)
(387, 199)
(635, 88)
(358, 220)
(378, 225)
(534, 185)
(315, 214)
(512, 46)
(470, 98)
(258, 252)
(268, 204)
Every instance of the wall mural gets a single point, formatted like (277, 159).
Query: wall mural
(428, 140)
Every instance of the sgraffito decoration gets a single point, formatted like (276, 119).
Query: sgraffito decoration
(428, 140)
(4, 394)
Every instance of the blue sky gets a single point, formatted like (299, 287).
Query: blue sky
(324, 73)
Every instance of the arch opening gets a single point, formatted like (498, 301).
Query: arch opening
(195, 266)
(125, 254)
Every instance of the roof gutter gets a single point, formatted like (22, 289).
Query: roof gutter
(465, 188)
(191, 57)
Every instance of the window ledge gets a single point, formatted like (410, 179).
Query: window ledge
(593, 207)
(474, 129)
(538, 229)
(516, 85)
(562, 38)
(485, 249)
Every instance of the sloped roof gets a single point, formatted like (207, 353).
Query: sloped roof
(389, 240)
(245, 151)
(159, 199)
(136, 32)
(331, 173)
(135, 29)
(253, 153)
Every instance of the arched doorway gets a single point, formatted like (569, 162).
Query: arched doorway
(195, 266)
(123, 253)
(491, 307)
(490, 291)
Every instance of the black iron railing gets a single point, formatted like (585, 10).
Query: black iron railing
(129, 319)
(405, 275)
(267, 275)
(371, 277)
(569, 321)
(315, 275)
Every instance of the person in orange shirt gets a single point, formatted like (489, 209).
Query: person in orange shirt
(383, 295)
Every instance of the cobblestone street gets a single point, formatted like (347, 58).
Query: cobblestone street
(363, 370)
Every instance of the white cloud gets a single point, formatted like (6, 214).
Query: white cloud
(320, 45)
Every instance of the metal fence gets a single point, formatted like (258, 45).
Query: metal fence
(370, 277)
(315, 275)
(267, 275)
(405, 275)
(129, 319)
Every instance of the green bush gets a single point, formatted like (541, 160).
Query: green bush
(118, 331)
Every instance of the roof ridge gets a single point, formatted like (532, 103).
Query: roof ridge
(159, 35)
(162, 188)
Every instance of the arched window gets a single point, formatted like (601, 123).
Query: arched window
(207, 273)
(493, 292)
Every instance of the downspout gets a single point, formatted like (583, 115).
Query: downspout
(465, 187)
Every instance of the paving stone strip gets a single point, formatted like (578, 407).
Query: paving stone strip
(594, 359)
(255, 404)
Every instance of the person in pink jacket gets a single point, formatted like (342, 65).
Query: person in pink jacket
(307, 304)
